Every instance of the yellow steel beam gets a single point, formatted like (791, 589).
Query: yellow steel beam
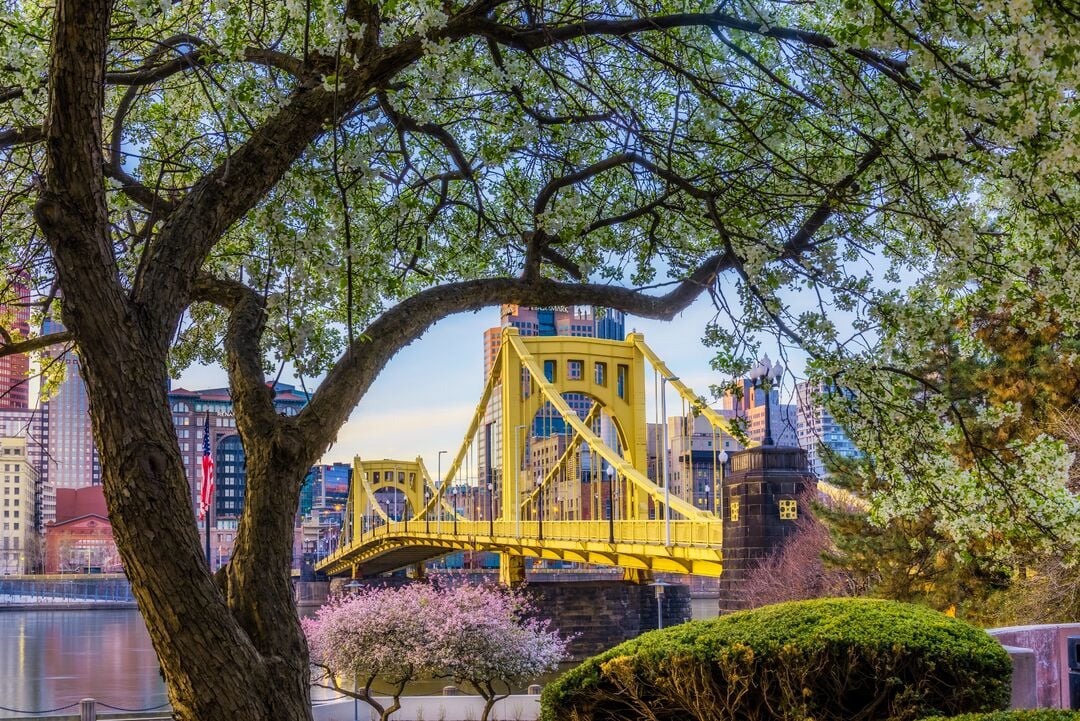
(435, 490)
(714, 418)
(626, 469)
(570, 448)
(478, 415)
(638, 544)
(371, 494)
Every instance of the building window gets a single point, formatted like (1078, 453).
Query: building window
(734, 510)
(549, 370)
(789, 510)
(621, 374)
(574, 370)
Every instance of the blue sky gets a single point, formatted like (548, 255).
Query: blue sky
(424, 399)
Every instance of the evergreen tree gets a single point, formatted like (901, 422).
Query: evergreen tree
(908, 558)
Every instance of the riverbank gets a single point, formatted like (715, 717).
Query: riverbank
(38, 605)
(433, 708)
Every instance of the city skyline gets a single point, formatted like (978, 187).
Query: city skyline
(423, 400)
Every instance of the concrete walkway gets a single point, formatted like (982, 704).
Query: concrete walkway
(434, 708)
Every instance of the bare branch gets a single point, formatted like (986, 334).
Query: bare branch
(14, 347)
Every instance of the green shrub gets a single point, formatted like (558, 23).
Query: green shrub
(830, 660)
(1042, 714)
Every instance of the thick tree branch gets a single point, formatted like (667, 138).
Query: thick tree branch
(438, 132)
(254, 400)
(72, 208)
(30, 345)
(548, 191)
(802, 238)
(201, 55)
(537, 36)
(10, 137)
(242, 179)
(350, 377)
(138, 192)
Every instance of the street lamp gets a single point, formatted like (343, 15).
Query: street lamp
(611, 502)
(666, 450)
(659, 586)
(438, 493)
(540, 504)
(517, 481)
(722, 457)
(765, 375)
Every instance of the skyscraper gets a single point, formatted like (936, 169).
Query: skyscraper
(15, 369)
(816, 426)
(32, 425)
(749, 405)
(189, 412)
(73, 457)
(19, 539)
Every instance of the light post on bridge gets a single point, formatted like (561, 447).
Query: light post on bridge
(611, 502)
(491, 508)
(718, 484)
(439, 496)
(665, 451)
(517, 482)
(765, 375)
(540, 504)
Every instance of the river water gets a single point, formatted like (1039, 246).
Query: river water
(50, 659)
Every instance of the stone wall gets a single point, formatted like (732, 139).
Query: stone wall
(598, 614)
(602, 614)
(1051, 661)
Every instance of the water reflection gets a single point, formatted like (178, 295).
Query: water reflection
(54, 658)
(50, 659)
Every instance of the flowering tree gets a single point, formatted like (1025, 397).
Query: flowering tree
(384, 635)
(491, 640)
(478, 635)
(257, 183)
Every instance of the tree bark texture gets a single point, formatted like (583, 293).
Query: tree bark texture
(239, 658)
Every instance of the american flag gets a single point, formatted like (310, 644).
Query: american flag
(207, 471)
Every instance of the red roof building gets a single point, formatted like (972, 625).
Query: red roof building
(81, 539)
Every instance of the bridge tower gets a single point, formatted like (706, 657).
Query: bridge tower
(765, 491)
(370, 477)
(610, 373)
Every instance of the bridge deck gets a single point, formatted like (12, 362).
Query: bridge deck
(694, 545)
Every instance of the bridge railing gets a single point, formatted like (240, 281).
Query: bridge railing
(683, 533)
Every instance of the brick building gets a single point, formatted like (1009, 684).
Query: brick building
(81, 538)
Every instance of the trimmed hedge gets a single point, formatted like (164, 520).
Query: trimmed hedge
(1042, 714)
(831, 660)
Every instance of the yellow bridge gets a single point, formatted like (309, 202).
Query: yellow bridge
(581, 494)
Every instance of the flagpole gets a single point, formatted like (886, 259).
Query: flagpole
(209, 495)
(209, 513)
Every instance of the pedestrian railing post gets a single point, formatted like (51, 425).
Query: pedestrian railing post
(88, 710)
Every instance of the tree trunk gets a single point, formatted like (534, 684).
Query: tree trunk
(244, 660)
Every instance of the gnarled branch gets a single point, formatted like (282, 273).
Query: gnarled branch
(350, 377)
(247, 319)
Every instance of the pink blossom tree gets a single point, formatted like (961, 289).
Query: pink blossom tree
(384, 635)
(491, 641)
(483, 637)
